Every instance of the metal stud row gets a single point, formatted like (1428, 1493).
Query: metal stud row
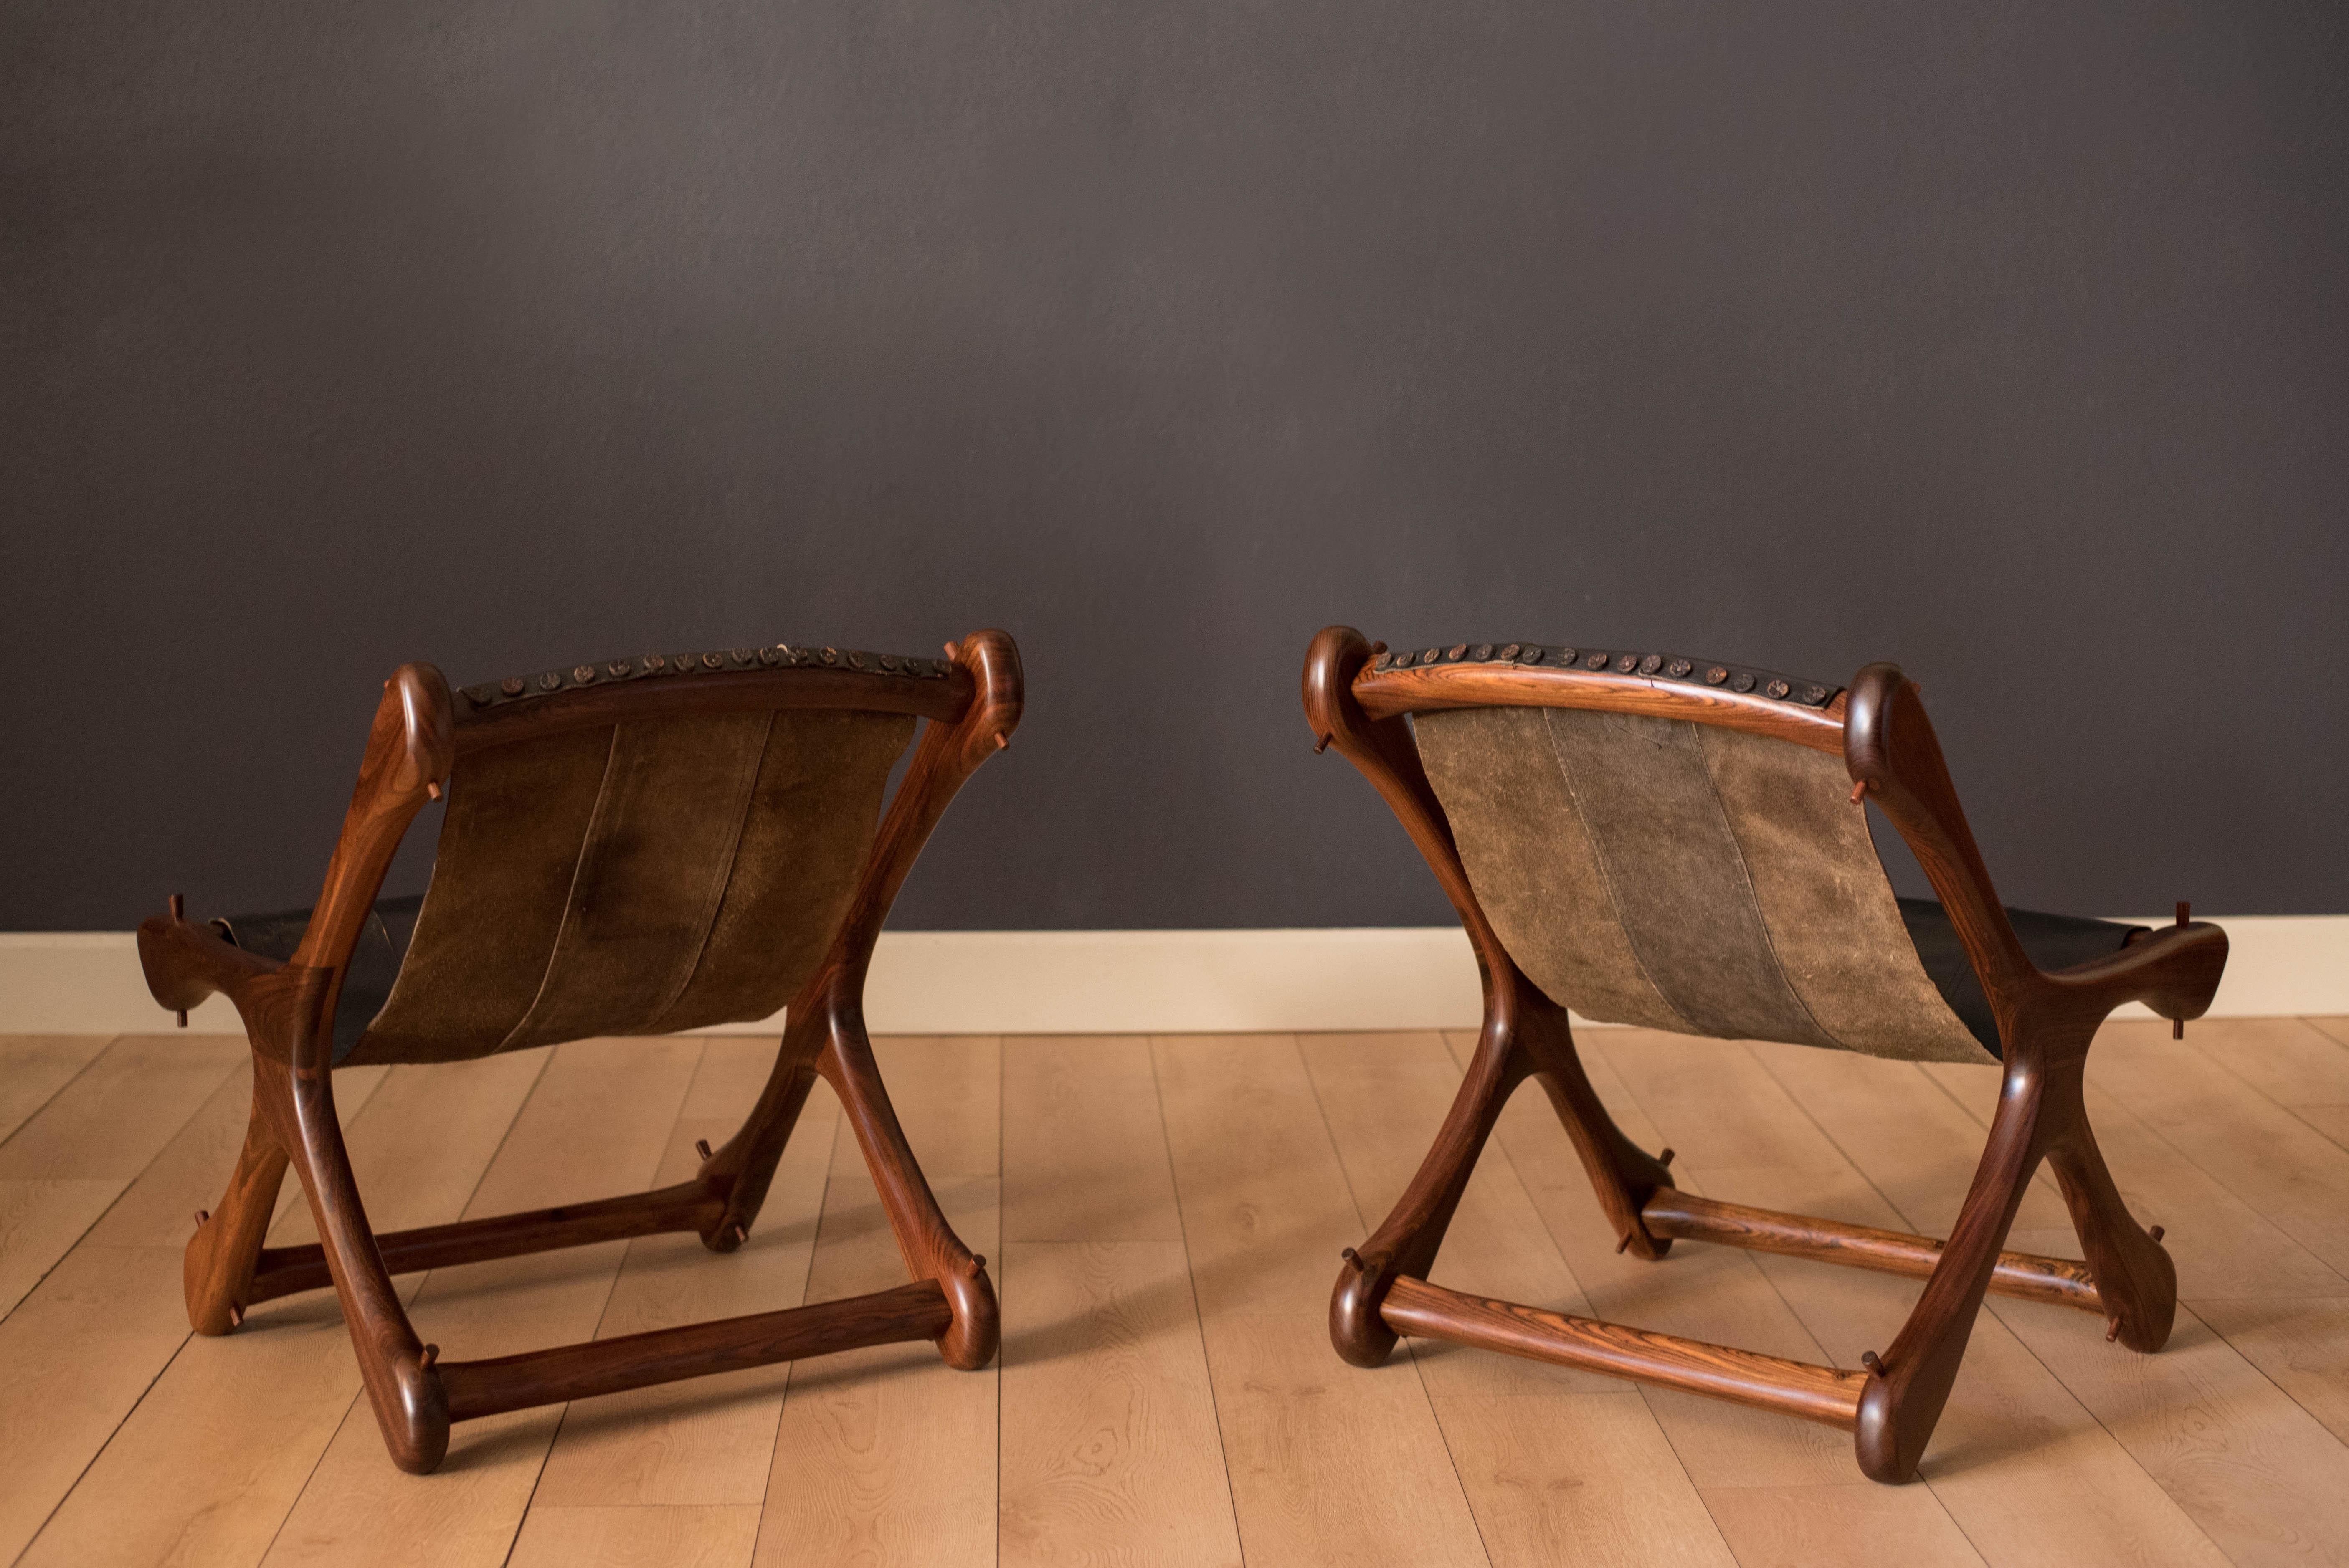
(1669, 667)
(781, 655)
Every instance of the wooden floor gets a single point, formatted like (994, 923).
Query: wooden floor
(1164, 1217)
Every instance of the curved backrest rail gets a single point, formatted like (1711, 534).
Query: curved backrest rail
(1669, 685)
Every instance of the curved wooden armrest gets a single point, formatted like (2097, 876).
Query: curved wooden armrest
(186, 962)
(2175, 971)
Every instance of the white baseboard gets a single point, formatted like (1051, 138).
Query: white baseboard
(1130, 982)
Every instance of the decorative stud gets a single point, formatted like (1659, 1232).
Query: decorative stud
(856, 661)
(1652, 664)
(482, 695)
(1815, 695)
(1626, 663)
(713, 661)
(513, 685)
(1716, 675)
(1595, 662)
(1678, 668)
(743, 657)
(550, 681)
(1382, 661)
(1459, 650)
(654, 663)
(1565, 656)
(830, 655)
(1777, 688)
(1532, 653)
(770, 657)
(618, 669)
(1740, 681)
(1510, 651)
(582, 674)
(1484, 650)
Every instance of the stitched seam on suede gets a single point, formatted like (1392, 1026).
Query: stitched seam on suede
(1754, 896)
(570, 899)
(1606, 875)
(723, 882)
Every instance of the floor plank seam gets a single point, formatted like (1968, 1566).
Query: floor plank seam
(2215, 1060)
(1198, 1313)
(1363, 1227)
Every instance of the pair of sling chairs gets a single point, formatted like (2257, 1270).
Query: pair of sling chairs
(674, 843)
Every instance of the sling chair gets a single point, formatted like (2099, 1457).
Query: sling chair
(630, 848)
(1680, 845)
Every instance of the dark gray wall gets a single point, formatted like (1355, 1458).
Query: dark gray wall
(2008, 341)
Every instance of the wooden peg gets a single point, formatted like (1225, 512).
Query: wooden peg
(701, 1147)
(201, 1215)
(2157, 1234)
(1665, 1159)
(432, 1354)
(180, 913)
(2185, 912)
(1321, 746)
(432, 788)
(1001, 740)
(1625, 1245)
(1859, 791)
(1868, 1359)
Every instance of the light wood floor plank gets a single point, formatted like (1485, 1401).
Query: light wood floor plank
(2016, 1438)
(1329, 1463)
(1586, 1479)
(2302, 1345)
(706, 1440)
(74, 1357)
(1702, 1292)
(1110, 1449)
(1384, 1097)
(1110, 1444)
(33, 1067)
(595, 1123)
(208, 1465)
(669, 1536)
(1084, 1157)
(134, 1337)
(1858, 1524)
(888, 1455)
(2263, 1154)
(74, 1157)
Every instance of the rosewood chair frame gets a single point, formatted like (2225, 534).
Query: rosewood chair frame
(2045, 1021)
(421, 729)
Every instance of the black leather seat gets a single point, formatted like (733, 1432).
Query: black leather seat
(2050, 940)
(375, 962)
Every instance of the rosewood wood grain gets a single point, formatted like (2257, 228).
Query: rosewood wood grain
(729, 691)
(2045, 1022)
(418, 732)
(1427, 688)
(1801, 1389)
(687, 1206)
(908, 1312)
(1671, 1212)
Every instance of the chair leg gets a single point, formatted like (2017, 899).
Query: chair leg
(1410, 1237)
(745, 1168)
(1519, 1039)
(931, 1249)
(2135, 1277)
(1903, 1399)
(410, 1406)
(1622, 1174)
(218, 1267)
